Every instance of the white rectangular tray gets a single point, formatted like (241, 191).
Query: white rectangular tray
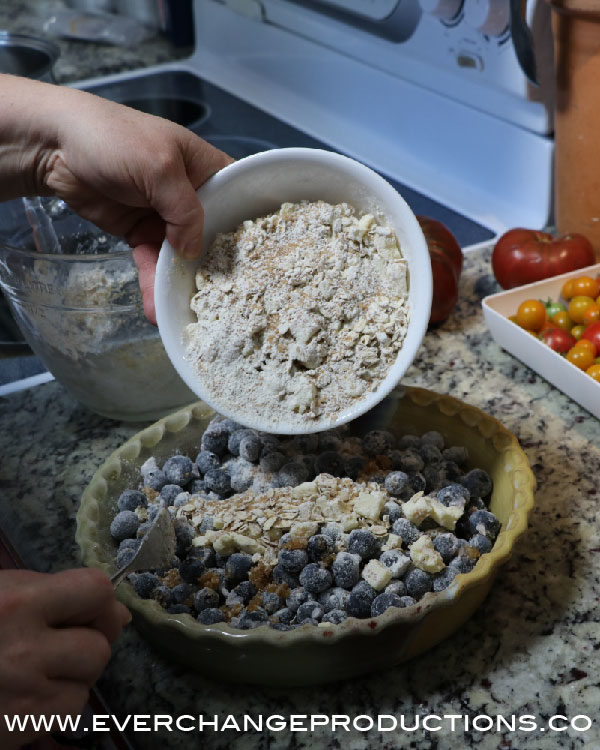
(556, 369)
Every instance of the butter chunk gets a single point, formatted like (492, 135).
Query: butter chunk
(225, 544)
(417, 509)
(446, 515)
(305, 489)
(247, 544)
(370, 504)
(376, 574)
(420, 507)
(425, 556)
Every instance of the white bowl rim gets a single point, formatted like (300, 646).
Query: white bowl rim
(420, 286)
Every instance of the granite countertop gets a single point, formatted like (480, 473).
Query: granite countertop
(532, 648)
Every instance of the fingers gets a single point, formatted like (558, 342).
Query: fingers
(79, 597)
(145, 257)
(75, 654)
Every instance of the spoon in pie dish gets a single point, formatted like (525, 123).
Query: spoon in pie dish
(155, 551)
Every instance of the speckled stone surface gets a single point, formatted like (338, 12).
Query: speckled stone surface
(83, 59)
(533, 648)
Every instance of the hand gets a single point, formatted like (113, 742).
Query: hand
(55, 636)
(132, 174)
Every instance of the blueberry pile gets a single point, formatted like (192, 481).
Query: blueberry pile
(432, 523)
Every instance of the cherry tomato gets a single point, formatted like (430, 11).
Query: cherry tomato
(562, 320)
(553, 307)
(581, 357)
(592, 333)
(585, 286)
(577, 307)
(594, 372)
(591, 315)
(577, 331)
(589, 345)
(557, 339)
(567, 290)
(531, 314)
(524, 255)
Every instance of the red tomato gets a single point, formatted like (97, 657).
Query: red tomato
(522, 256)
(592, 333)
(558, 339)
(446, 266)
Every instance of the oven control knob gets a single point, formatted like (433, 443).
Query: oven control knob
(444, 9)
(487, 16)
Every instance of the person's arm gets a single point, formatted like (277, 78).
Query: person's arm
(55, 636)
(130, 173)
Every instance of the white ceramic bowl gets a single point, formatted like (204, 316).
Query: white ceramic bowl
(258, 185)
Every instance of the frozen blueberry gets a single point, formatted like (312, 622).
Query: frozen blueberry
(318, 547)
(191, 569)
(364, 543)
(280, 575)
(178, 469)
(457, 453)
(447, 545)
(238, 566)
(182, 498)
(335, 598)
(270, 463)
(241, 474)
(169, 492)
(461, 564)
(335, 616)
(270, 602)
(197, 487)
(411, 461)
(315, 579)
(206, 554)
(163, 595)
(124, 524)
(384, 601)
(332, 531)
(330, 462)
(236, 437)
(229, 424)
(205, 598)
(126, 555)
(129, 544)
(453, 494)
(292, 474)
(478, 482)
(157, 480)
(182, 592)
(309, 461)
(131, 499)
(418, 483)
(396, 561)
(407, 601)
(353, 466)
(430, 453)
(245, 590)
(377, 442)
(295, 598)
(360, 600)
(210, 616)
(433, 437)
(481, 542)
(215, 440)
(250, 447)
(144, 584)
(418, 583)
(303, 444)
(283, 616)
(396, 483)
(395, 587)
(329, 441)
(452, 471)
(310, 610)
(442, 580)
(184, 533)
(218, 481)
(280, 626)
(409, 441)
(206, 460)
(434, 477)
(484, 522)
(270, 443)
(292, 560)
(393, 511)
(249, 620)
(346, 569)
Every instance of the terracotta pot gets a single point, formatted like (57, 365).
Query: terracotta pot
(576, 30)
